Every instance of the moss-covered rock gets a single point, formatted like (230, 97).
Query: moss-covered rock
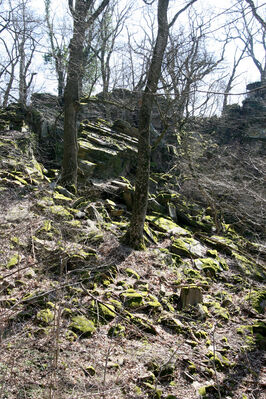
(108, 153)
(116, 331)
(211, 267)
(167, 225)
(107, 312)
(13, 261)
(167, 320)
(45, 316)
(132, 273)
(132, 299)
(142, 324)
(163, 373)
(82, 326)
(152, 304)
(221, 362)
(188, 247)
(257, 298)
(60, 211)
(73, 254)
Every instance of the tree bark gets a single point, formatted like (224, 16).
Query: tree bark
(134, 235)
(72, 96)
(73, 87)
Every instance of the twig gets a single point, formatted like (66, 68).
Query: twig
(214, 357)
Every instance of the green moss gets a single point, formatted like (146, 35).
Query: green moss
(116, 331)
(132, 299)
(219, 311)
(132, 273)
(90, 370)
(152, 303)
(163, 373)
(192, 273)
(201, 334)
(221, 362)
(13, 261)
(83, 326)
(107, 312)
(192, 367)
(172, 323)
(71, 336)
(257, 298)
(211, 267)
(59, 210)
(45, 316)
(117, 304)
(212, 252)
(60, 197)
(167, 225)
(141, 323)
(187, 247)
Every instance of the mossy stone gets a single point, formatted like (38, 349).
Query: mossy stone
(132, 273)
(59, 210)
(116, 331)
(107, 312)
(219, 311)
(257, 299)
(90, 370)
(141, 323)
(45, 316)
(83, 326)
(221, 362)
(187, 247)
(13, 261)
(152, 304)
(167, 225)
(167, 320)
(132, 299)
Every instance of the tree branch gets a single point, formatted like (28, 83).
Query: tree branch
(180, 12)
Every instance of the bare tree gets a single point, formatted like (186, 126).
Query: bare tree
(58, 51)
(83, 15)
(188, 65)
(134, 236)
(238, 57)
(251, 31)
(19, 42)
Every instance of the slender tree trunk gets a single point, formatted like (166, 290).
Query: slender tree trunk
(82, 22)
(72, 95)
(134, 235)
(61, 83)
(9, 86)
(22, 78)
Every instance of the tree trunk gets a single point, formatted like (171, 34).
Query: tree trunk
(134, 236)
(73, 87)
(72, 96)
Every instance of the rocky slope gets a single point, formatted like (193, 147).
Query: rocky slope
(83, 316)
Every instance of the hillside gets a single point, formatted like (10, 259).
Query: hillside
(84, 316)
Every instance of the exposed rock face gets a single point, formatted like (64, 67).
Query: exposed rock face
(106, 149)
(121, 104)
(247, 122)
(104, 152)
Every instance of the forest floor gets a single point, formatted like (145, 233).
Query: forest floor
(84, 316)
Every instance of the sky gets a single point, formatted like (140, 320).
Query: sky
(248, 72)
